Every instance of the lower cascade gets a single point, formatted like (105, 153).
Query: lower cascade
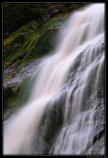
(65, 111)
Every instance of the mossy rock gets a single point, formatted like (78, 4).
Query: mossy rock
(45, 44)
(30, 40)
(9, 94)
(16, 96)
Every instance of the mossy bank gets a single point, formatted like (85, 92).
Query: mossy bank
(26, 40)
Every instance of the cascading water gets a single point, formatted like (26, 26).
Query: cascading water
(60, 116)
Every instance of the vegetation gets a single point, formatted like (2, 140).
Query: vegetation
(16, 15)
(29, 30)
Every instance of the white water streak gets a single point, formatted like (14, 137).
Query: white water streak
(83, 29)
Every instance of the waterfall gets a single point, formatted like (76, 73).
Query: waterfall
(60, 115)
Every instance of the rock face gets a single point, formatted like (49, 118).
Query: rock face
(25, 73)
(75, 133)
(51, 126)
(55, 136)
(98, 147)
(14, 88)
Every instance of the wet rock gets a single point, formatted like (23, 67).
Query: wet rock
(98, 148)
(19, 77)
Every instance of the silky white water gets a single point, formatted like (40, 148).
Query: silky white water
(76, 67)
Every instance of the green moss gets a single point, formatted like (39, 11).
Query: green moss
(24, 91)
(9, 77)
(30, 41)
(11, 39)
(8, 97)
(44, 44)
(16, 96)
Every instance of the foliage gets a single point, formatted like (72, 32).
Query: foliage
(16, 15)
(29, 30)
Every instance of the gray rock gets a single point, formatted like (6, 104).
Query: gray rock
(98, 147)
